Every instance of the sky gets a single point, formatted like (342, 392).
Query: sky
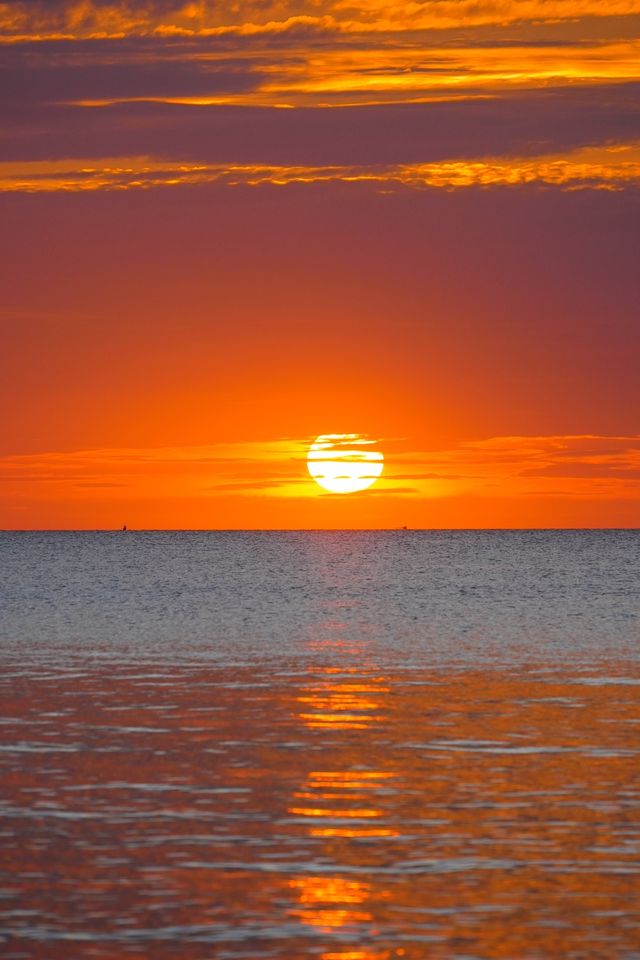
(230, 227)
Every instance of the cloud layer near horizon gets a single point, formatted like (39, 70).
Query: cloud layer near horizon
(493, 470)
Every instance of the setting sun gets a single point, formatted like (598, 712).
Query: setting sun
(344, 462)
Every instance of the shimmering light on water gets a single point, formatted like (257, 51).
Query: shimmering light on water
(331, 746)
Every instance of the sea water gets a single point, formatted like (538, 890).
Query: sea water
(331, 745)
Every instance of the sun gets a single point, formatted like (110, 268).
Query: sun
(344, 462)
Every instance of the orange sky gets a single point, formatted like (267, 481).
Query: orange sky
(228, 228)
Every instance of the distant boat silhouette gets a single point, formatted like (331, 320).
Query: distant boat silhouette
(124, 527)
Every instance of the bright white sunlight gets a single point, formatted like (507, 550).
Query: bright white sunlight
(344, 462)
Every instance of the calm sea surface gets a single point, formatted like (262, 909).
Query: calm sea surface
(342, 746)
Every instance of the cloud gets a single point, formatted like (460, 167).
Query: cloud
(295, 84)
(626, 471)
(310, 71)
(99, 18)
(157, 473)
(291, 55)
(591, 466)
(570, 467)
(523, 124)
(607, 167)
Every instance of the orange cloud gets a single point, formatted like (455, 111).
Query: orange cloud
(377, 70)
(241, 468)
(570, 468)
(337, 54)
(567, 466)
(415, 69)
(606, 167)
(87, 19)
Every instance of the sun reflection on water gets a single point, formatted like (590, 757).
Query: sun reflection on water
(330, 901)
(341, 806)
(361, 954)
(341, 704)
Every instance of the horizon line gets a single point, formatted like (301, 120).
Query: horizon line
(401, 529)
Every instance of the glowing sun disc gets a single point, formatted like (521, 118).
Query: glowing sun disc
(344, 462)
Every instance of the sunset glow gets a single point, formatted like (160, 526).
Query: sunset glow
(230, 226)
(319, 478)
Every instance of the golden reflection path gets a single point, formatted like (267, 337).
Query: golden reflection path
(342, 703)
(426, 810)
(359, 814)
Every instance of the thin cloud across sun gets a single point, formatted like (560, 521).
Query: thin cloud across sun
(344, 462)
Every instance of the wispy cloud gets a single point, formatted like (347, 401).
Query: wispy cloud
(310, 71)
(562, 466)
(88, 18)
(606, 167)
(573, 467)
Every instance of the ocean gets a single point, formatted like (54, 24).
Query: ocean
(330, 745)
